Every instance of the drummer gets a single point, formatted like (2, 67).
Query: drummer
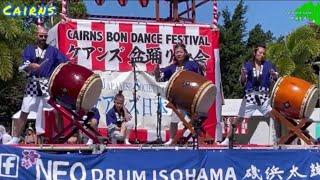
(181, 60)
(39, 61)
(257, 76)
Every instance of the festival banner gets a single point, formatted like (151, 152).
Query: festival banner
(160, 164)
(114, 45)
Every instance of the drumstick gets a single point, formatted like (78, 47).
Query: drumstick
(43, 62)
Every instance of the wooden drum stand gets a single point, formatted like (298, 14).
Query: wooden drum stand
(194, 126)
(297, 129)
(75, 123)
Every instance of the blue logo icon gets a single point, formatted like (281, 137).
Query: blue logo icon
(9, 164)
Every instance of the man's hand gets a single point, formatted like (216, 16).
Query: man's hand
(33, 67)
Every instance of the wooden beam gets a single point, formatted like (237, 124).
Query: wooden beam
(196, 6)
(175, 10)
(157, 7)
(193, 11)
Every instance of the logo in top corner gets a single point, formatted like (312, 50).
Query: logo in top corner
(9, 165)
(308, 11)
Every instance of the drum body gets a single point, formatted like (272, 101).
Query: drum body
(294, 97)
(75, 87)
(191, 92)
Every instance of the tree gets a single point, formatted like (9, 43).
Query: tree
(293, 54)
(232, 49)
(257, 36)
(14, 36)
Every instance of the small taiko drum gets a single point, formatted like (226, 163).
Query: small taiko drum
(294, 97)
(75, 87)
(191, 92)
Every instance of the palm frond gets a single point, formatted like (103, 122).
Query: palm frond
(301, 34)
(6, 64)
(277, 51)
(305, 51)
(306, 73)
(285, 66)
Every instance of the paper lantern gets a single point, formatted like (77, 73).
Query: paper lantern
(122, 2)
(144, 3)
(99, 2)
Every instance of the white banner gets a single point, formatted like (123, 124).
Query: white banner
(147, 99)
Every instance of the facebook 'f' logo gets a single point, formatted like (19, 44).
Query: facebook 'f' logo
(9, 164)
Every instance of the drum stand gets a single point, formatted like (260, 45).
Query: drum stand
(297, 129)
(76, 123)
(195, 128)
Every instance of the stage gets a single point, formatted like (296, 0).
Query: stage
(159, 162)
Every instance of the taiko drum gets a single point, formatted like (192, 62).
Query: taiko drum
(75, 87)
(191, 92)
(293, 97)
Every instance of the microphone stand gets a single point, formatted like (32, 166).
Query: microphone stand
(133, 63)
(159, 117)
(316, 69)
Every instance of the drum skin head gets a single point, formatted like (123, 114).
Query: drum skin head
(90, 92)
(311, 102)
(206, 100)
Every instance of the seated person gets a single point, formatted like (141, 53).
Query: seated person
(118, 120)
(31, 137)
(4, 136)
(74, 139)
(94, 117)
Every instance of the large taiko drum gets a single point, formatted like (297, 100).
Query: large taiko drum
(191, 92)
(294, 97)
(75, 87)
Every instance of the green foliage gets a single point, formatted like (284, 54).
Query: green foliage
(77, 10)
(293, 54)
(257, 35)
(232, 48)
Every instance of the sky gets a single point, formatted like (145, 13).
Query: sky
(273, 15)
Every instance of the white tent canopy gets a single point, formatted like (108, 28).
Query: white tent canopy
(32, 115)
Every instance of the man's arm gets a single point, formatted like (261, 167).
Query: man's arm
(61, 57)
(28, 61)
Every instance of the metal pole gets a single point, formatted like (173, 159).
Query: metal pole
(159, 117)
(135, 101)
